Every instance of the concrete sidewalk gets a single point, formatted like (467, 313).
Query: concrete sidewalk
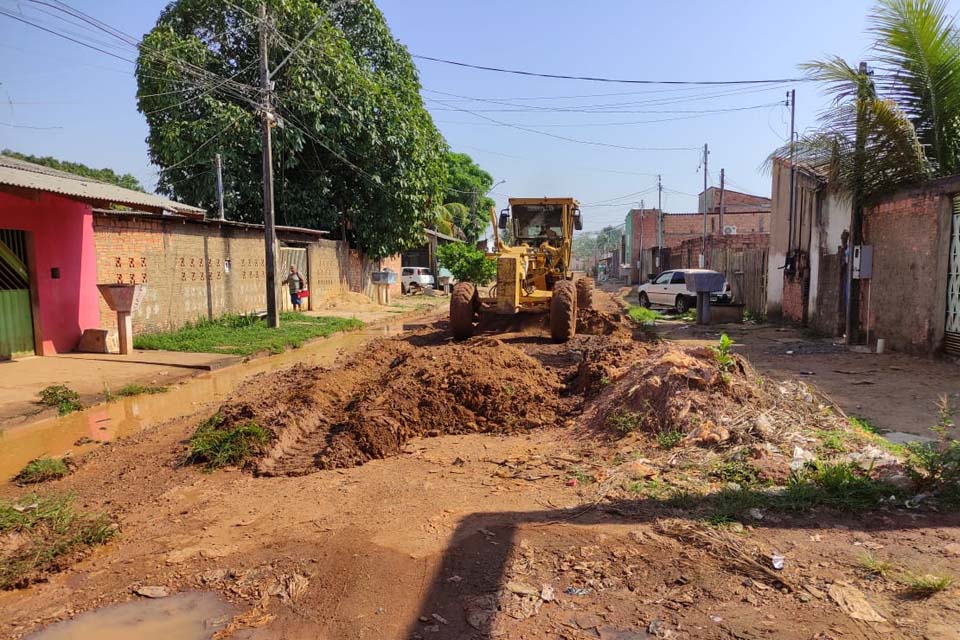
(91, 375)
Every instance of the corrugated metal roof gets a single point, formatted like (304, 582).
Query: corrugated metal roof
(26, 175)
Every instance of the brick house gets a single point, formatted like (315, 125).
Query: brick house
(911, 298)
(61, 235)
(641, 229)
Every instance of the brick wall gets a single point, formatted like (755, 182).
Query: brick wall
(196, 270)
(681, 227)
(908, 232)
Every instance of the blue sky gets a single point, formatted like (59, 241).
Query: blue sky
(49, 82)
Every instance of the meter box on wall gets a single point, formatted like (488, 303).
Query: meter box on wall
(863, 262)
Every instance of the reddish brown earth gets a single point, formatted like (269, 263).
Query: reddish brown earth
(432, 489)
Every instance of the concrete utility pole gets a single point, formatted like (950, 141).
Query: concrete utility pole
(269, 231)
(792, 99)
(703, 249)
(721, 202)
(659, 223)
(640, 269)
(856, 214)
(219, 167)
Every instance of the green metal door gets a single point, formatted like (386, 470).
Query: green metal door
(16, 318)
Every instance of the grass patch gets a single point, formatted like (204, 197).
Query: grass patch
(624, 421)
(874, 566)
(927, 585)
(735, 471)
(581, 476)
(65, 399)
(839, 485)
(669, 439)
(51, 529)
(42, 470)
(834, 440)
(864, 424)
(642, 315)
(245, 335)
(217, 447)
(128, 390)
(936, 466)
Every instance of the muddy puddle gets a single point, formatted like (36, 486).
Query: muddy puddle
(83, 431)
(185, 616)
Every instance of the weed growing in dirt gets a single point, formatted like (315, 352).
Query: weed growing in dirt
(937, 466)
(669, 439)
(840, 485)
(218, 447)
(689, 316)
(42, 470)
(735, 471)
(864, 424)
(927, 585)
(139, 390)
(625, 422)
(65, 399)
(581, 476)
(721, 353)
(644, 316)
(833, 439)
(875, 567)
(245, 335)
(53, 529)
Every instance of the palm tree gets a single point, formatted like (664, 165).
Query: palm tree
(902, 124)
(450, 218)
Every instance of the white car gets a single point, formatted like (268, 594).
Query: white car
(414, 279)
(669, 289)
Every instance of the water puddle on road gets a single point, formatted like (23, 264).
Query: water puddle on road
(185, 616)
(83, 431)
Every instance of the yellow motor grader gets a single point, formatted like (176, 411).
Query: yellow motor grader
(533, 274)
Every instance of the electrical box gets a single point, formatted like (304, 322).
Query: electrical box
(863, 261)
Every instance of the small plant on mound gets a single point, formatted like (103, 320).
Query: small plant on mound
(65, 399)
(937, 466)
(875, 567)
(52, 529)
(669, 439)
(735, 471)
(839, 485)
(863, 424)
(218, 447)
(625, 422)
(42, 470)
(644, 316)
(927, 585)
(724, 359)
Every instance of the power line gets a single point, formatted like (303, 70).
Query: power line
(65, 37)
(558, 76)
(27, 126)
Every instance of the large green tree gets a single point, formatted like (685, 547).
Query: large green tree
(126, 180)
(355, 151)
(468, 184)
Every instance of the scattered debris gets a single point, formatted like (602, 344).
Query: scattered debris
(853, 603)
(152, 592)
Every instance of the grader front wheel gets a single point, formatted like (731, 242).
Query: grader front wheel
(461, 310)
(585, 293)
(563, 311)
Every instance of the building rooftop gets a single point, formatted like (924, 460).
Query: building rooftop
(18, 174)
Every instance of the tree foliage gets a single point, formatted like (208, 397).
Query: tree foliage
(468, 184)
(356, 153)
(467, 263)
(907, 111)
(127, 180)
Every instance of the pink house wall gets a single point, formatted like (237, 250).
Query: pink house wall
(62, 233)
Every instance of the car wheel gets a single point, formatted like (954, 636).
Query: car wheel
(682, 305)
(644, 300)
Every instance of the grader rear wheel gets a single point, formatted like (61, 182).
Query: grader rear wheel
(461, 310)
(584, 293)
(563, 311)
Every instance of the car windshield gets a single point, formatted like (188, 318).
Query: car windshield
(663, 278)
(538, 222)
(424, 272)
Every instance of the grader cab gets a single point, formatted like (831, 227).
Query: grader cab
(533, 273)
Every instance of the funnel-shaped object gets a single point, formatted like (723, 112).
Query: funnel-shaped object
(124, 299)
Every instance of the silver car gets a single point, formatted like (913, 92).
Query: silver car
(415, 279)
(669, 289)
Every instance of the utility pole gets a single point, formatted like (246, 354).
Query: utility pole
(792, 99)
(864, 89)
(659, 223)
(219, 167)
(269, 231)
(721, 201)
(703, 249)
(640, 255)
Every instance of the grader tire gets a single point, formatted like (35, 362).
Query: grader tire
(584, 293)
(563, 311)
(461, 310)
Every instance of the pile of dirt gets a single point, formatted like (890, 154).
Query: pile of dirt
(344, 301)
(688, 391)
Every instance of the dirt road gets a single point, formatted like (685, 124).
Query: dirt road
(496, 488)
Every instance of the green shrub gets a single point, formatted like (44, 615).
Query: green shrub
(644, 316)
(467, 263)
(721, 353)
(840, 485)
(669, 439)
(218, 447)
(936, 466)
(624, 421)
(42, 470)
(735, 471)
(65, 399)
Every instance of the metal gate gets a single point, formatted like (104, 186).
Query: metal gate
(289, 256)
(951, 342)
(16, 317)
